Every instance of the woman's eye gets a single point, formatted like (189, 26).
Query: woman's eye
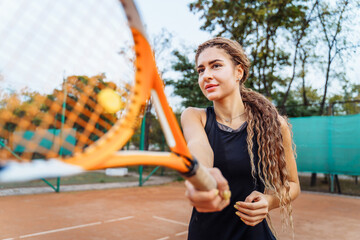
(216, 65)
(200, 70)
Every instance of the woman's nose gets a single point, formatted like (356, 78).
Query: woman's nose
(207, 75)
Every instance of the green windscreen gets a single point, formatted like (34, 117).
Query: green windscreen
(328, 144)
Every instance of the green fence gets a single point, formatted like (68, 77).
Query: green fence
(328, 144)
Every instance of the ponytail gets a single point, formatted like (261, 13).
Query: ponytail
(264, 119)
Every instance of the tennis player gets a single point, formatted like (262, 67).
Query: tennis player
(246, 145)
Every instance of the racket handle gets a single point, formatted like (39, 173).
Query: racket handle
(202, 179)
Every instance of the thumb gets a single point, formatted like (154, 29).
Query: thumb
(222, 183)
(253, 197)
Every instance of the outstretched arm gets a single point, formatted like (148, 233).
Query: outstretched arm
(193, 122)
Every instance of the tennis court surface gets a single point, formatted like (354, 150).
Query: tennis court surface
(153, 213)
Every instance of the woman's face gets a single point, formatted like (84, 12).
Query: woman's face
(218, 76)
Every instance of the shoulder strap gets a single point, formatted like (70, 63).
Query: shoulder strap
(210, 117)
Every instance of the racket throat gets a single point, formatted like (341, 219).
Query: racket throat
(192, 168)
(170, 139)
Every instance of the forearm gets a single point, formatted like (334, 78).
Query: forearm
(202, 153)
(274, 201)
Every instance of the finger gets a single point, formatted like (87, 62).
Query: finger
(253, 197)
(204, 196)
(251, 212)
(217, 204)
(213, 200)
(224, 203)
(189, 189)
(252, 224)
(222, 183)
(252, 221)
(196, 196)
(253, 205)
(226, 194)
(214, 206)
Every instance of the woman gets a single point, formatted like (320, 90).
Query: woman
(246, 145)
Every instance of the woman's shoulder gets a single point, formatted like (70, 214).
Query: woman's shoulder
(283, 121)
(285, 126)
(194, 113)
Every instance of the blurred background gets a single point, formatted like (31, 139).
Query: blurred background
(305, 59)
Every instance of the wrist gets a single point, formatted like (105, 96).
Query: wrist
(273, 201)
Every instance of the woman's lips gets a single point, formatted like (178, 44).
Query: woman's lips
(210, 87)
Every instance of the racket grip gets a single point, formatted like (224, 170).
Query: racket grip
(202, 179)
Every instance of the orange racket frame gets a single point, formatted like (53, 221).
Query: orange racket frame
(104, 153)
(147, 83)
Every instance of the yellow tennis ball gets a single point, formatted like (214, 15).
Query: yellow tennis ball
(110, 100)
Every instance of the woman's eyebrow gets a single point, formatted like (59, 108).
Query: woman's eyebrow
(215, 60)
(211, 62)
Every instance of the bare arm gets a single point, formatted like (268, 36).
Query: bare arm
(290, 166)
(193, 122)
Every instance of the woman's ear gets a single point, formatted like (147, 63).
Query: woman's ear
(239, 72)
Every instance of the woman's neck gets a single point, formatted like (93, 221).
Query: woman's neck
(229, 108)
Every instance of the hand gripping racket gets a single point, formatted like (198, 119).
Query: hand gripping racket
(75, 77)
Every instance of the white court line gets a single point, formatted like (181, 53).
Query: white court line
(60, 230)
(177, 234)
(169, 220)
(181, 233)
(164, 238)
(8, 239)
(73, 227)
(118, 219)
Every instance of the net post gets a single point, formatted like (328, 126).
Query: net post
(141, 147)
(58, 184)
(56, 189)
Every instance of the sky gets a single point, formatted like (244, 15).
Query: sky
(175, 16)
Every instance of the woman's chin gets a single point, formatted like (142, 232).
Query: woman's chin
(212, 97)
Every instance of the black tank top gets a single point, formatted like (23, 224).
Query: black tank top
(232, 158)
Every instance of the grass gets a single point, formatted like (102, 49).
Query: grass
(86, 178)
(94, 177)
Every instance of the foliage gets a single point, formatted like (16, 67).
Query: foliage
(288, 43)
(261, 28)
(187, 87)
(332, 23)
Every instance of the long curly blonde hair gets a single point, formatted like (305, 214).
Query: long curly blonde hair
(264, 124)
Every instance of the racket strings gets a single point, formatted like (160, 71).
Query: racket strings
(56, 58)
(45, 129)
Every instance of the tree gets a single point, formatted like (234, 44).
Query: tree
(259, 26)
(295, 106)
(347, 102)
(332, 19)
(300, 30)
(187, 86)
(282, 39)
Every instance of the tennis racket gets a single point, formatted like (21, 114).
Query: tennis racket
(75, 77)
